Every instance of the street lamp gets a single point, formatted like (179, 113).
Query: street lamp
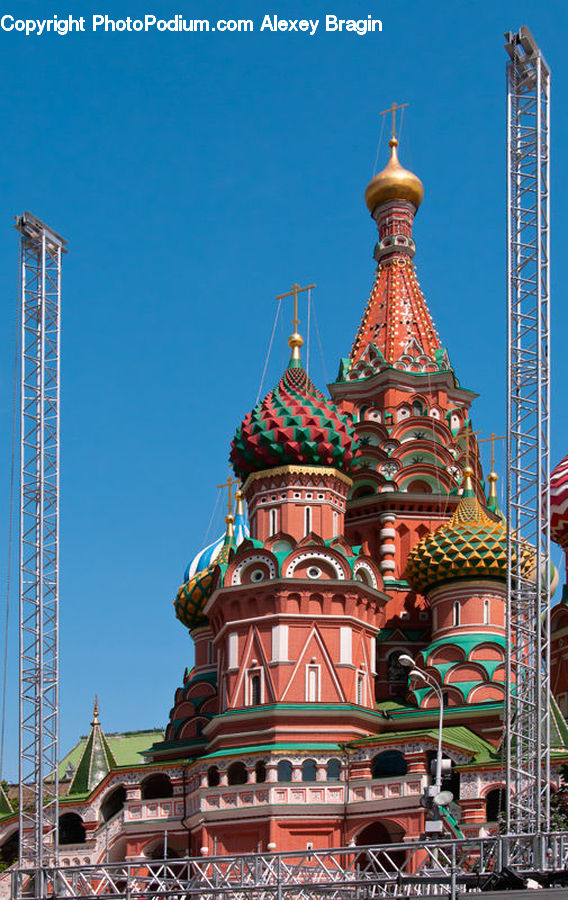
(416, 672)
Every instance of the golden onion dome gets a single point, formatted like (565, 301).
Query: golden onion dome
(393, 183)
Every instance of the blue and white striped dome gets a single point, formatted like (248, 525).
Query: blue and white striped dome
(209, 554)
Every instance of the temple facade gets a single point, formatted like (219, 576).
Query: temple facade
(363, 530)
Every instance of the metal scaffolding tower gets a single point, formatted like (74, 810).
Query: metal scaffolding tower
(40, 293)
(528, 436)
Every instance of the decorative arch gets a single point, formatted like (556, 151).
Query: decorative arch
(237, 773)
(255, 558)
(113, 802)
(316, 556)
(388, 764)
(364, 572)
(157, 786)
(495, 803)
(71, 829)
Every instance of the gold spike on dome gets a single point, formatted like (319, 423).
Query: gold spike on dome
(393, 183)
(96, 712)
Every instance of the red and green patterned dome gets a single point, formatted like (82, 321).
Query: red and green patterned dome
(294, 425)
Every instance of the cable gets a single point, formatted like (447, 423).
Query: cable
(206, 535)
(269, 349)
(320, 345)
(378, 148)
(10, 540)
(308, 334)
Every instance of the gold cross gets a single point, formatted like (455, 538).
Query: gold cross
(392, 109)
(493, 437)
(229, 483)
(296, 289)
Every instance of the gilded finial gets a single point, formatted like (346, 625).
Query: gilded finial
(467, 482)
(493, 478)
(96, 712)
(295, 340)
(394, 182)
(230, 523)
(239, 509)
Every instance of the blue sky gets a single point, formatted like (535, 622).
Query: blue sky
(195, 177)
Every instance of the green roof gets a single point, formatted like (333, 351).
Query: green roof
(280, 748)
(126, 748)
(455, 735)
(467, 641)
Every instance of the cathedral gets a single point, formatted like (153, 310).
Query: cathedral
(358, 590)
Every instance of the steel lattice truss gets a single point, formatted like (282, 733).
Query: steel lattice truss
(528, 432)
(424, 869)
(40, 289)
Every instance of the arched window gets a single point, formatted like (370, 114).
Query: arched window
(71, 829)
(260, 771)
(417, 408)
(212, 776)
(312, 684)
(495, 804)
(113, 803)
(255, 689)
(309, 770)
(284, 770)
(388, 764)
(333, 770)
(456, 613)
(360, 698)
(307, 519)
(273, 521)
(158, 785)
(237, 773)
(486, 611)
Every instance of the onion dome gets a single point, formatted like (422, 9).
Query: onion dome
(559, 504)
(471, 545)
(209, 554)
(192, 597)
(393, 183)
(295, 424)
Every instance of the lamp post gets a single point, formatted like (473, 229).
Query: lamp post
(407, 661)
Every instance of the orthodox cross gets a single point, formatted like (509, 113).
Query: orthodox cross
(492, 437)
(296, 289)
(392, 109)
(229, 484)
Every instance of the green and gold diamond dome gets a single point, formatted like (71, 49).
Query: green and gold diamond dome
(471, 545)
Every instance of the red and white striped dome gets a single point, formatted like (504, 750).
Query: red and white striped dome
(559, 504)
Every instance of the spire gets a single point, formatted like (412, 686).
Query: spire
(97, 759)
(396, 328)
